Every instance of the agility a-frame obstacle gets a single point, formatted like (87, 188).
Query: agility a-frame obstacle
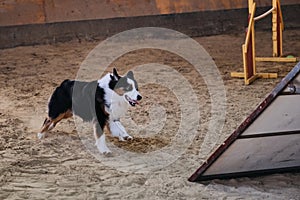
(248, 48)
(267, 141)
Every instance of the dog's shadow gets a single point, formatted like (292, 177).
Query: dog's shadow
(140, 145)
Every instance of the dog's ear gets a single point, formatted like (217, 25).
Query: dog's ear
(130, 75)
(116, 76)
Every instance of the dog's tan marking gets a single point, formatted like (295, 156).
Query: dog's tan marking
(51, 123)
(119, 91)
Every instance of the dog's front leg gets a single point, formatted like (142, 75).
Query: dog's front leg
(100, 138)
(118, 130)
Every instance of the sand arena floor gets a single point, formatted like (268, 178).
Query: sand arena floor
(60, 167)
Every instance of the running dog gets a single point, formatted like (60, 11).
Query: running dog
(103, 102)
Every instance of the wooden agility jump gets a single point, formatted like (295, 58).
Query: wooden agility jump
(248, 48)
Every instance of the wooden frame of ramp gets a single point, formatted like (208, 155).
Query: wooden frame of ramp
(267, 141)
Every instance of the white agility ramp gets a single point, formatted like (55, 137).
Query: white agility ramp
(267, 141)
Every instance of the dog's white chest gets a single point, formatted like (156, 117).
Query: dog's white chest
(117, 110)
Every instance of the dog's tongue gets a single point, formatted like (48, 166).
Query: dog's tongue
(136, 102)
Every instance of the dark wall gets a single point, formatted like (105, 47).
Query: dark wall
(193, 24)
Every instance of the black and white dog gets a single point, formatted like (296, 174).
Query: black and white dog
(102, 102)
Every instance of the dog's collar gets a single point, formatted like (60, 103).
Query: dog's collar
(116, 120)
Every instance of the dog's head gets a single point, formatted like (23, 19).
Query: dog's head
(125, 86)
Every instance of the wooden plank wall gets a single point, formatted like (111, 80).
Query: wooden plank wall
(21, 12)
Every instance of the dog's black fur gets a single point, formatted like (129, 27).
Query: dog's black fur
(84, 99)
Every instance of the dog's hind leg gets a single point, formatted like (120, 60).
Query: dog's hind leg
(45, 128)
(49, 123)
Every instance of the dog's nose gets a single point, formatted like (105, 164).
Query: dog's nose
(139, 97)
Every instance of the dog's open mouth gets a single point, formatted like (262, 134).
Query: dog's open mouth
(131, 101)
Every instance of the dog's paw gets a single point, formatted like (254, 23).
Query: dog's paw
(101, 145)
(129, 137)
(103, 150)
(40, 136)
(125, 137)
(117, 130)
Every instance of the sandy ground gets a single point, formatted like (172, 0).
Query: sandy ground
(61, 167)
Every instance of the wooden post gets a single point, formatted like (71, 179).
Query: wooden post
(275, 30)
(253, 8)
